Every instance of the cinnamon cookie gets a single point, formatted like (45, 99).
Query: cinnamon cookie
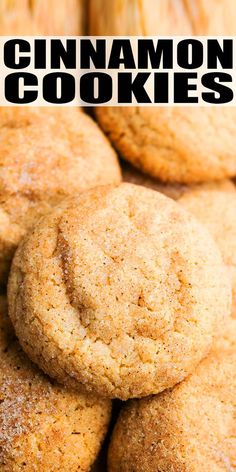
(45, 155)
(189, 428)
(174, 191)
(41, 17)
(118, 289)
(42, 425)
(217, 211)
(185, 145)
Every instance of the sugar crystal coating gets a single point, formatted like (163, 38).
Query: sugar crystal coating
(43, 426)
(118, 289)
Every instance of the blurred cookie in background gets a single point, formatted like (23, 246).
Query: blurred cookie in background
(46, 154)
(42, 17)
(174, 191)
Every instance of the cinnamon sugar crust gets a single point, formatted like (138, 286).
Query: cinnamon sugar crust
(43, 426)
(189, 428)
(120, 290)
(46, 155)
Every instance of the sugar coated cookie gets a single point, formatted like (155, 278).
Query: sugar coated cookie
(42, 425)
(45, 155)
(185, 145)
(190, 428)
(118, 289)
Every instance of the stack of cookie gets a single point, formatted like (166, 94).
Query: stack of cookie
(46, 155)
(118, 290)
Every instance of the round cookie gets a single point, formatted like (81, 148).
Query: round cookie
(45, 155)
(118, 289)
(175, 144)
(174, 191)
(43, 426)
(190, 428)
(41, 17)
(217, 211)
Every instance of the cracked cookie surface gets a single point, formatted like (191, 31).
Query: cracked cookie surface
(43, 426)
(120, 290)
(190, 428)
(186, 145)
(45, 155)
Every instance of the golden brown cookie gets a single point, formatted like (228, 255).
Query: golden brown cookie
(118, 289)
(43, 17)
(185, 145)
(45, 155)
(174, 191)
(190, 428)
(43, 427)
(217, 211)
